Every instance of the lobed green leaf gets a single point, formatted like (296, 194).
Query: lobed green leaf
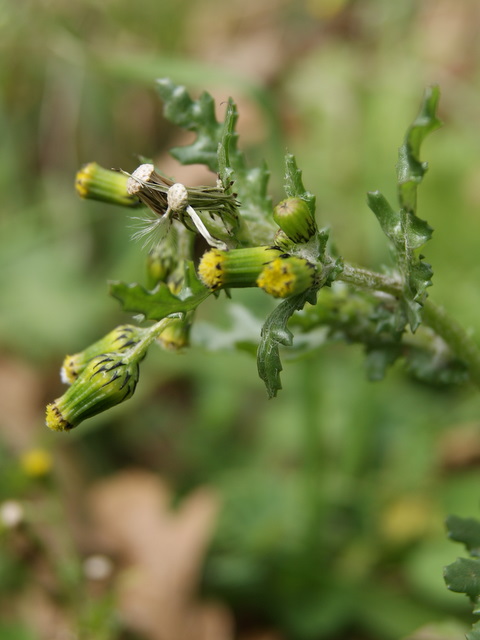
(161, 302)
(249, 184)
(410, 169)
(404, 229)
(388, 218)
(463, 576)
(193, 115)
(293, 183)
(216, 147)
(465, 530)
(227, 146)
(474, 634)
(275, 333)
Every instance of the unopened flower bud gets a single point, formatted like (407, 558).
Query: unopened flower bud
(106, 380)
(176, 335)
(294, 217)
(282, 241)
(287, 276)
(96, 183)
(162, 260)
(234, 268)
(119, 340)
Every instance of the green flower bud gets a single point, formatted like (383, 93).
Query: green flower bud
(234, 268)
(119, 340)
(96, 183)
(282, 241)
(161, 263)
(287, 276)
(177, 335)
(294, 217)
(107, 380)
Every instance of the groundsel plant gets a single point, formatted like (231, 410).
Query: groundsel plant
(205, 241)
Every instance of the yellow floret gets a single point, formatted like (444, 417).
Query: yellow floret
(286, 276)
(54, 419)
(70, 369)
(277, 279)
(210, 268)
(83, 177)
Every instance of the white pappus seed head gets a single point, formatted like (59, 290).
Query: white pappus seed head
(177, 198)
(141, 174)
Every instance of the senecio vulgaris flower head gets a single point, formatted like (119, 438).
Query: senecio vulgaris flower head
(93, 182)
(277, 273)
(295, 219)
(106, 380)
(103, 379)
(119, 340)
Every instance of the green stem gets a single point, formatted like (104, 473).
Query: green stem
(434, 316)
(365, 279)
(459, 340)
(139, 350)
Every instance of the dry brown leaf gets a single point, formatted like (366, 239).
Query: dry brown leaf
(163, 550)
(20, 400)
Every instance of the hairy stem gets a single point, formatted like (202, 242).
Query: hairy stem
(453, 334)
(365, 279)
(139, 350)
(457, 338)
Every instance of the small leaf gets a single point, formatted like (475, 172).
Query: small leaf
(193, 115)
(275, 333)
(465, 530)
(463, 576)
(418, 232)
(388, 218)
(410, 169)
(161, 302)
(293, 184)
(434, 366)
(404, 229)
(252, 186)
(380, 358)
(216, 147)
(474, 634)
(227, 146)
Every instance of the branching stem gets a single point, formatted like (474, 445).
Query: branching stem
(458, 339)
(365, 279)
(139, 350)
(452, 333)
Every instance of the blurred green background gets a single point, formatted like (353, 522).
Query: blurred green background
(332, 496)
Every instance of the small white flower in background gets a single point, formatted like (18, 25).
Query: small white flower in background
(97, 567)
(11, 514)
